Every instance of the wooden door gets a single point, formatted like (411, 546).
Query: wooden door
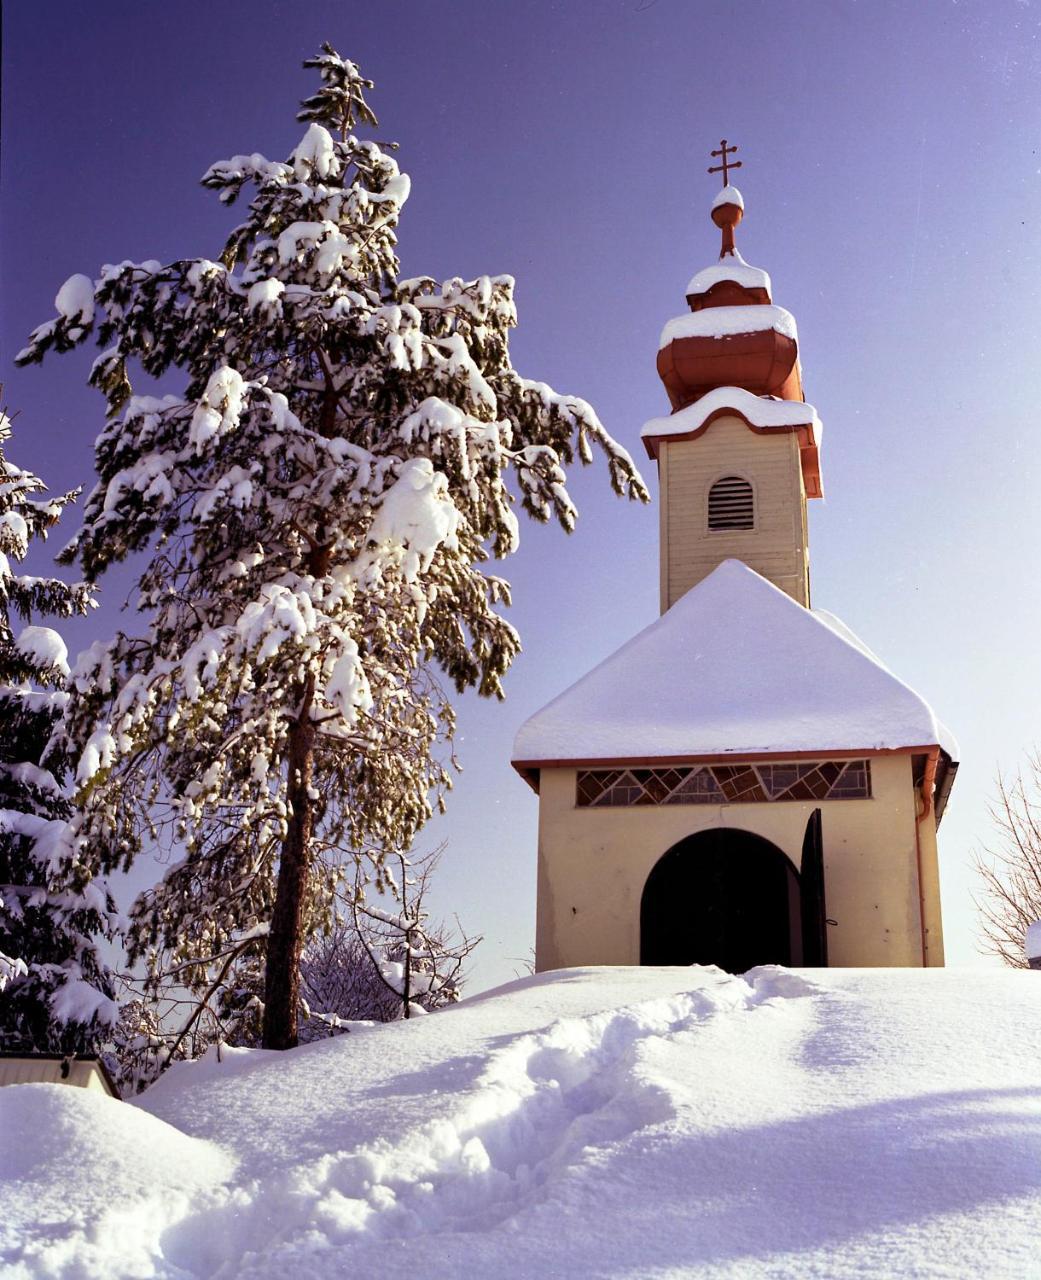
(811, 892)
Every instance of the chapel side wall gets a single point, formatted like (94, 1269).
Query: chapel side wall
(775, 548)
(930, 864)
(593, 864)
(81, 1073)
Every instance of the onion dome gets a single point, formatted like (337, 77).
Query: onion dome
(734, 335)
(734, 353)
(728, 209)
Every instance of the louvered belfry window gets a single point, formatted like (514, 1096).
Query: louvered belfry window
(731, 504)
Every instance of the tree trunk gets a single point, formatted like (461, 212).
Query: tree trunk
(285, 939)
(282, 972)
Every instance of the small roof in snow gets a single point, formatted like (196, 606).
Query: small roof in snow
(768, 413)
(735, 667)
(80, 1069)
(762, 413)
(732, 267)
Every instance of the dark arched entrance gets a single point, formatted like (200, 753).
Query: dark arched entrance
(722, 897)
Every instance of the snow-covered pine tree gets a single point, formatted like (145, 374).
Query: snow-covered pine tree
(55, 992)
(318, 507)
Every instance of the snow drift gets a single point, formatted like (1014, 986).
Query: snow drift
(596, 1122)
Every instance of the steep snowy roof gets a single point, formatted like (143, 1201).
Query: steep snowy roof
(723, 322)
(732, 267)
(760, 411)
(735, 667)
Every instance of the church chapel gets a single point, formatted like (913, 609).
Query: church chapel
(743, 782)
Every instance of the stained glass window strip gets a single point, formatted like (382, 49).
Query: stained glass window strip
(725, 784)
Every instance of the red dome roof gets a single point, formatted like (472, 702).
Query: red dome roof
(762, 359)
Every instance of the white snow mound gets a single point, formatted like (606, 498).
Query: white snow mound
(90, 1186)
(591, 1122)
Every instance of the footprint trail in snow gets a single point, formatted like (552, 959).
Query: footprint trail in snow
(544, 1103)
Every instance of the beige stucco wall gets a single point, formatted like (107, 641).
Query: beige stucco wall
(593, 864)
(29, 1070)
(775, 548)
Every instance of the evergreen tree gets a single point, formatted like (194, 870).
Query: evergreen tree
(317, 507)
(55, 993)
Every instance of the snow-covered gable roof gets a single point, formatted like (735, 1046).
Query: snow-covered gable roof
(735, 667)
(764, 412)
(726, 322)
(732, 267)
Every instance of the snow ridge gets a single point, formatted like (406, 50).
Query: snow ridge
(547, 1105)
(600, 1122)
(539, 1107)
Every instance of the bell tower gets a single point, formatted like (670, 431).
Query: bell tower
(738, 457)
(742, 782)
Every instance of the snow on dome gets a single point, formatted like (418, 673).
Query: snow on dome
(75, 300)
(727, 322)
(729, 195)
(44, 648)
(760, 411)
(734, 667)
(732, 267)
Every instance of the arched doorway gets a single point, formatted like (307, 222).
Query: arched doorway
(722, 897)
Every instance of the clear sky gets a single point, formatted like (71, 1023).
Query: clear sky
(892, 179)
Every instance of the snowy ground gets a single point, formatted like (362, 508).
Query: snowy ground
(597, 1122)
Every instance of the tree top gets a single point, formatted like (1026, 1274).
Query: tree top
(340, 102)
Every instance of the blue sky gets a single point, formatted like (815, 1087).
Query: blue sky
(893, 185)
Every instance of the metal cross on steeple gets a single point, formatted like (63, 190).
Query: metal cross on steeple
(727, 164)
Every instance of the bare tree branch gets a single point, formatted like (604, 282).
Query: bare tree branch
(1010, 866)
